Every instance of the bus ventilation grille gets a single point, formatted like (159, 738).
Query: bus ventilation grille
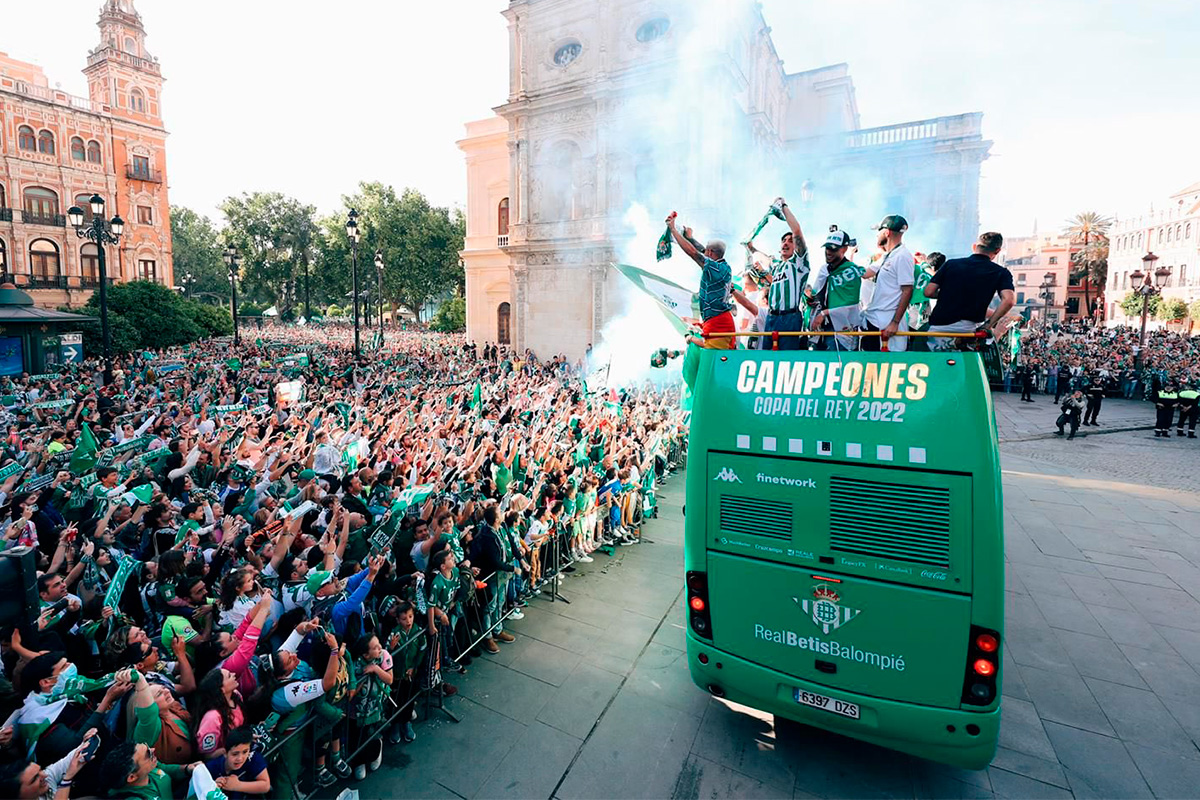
(890, 520)
(756, 517)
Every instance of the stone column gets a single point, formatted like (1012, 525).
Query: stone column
(599, 274)
(523, 179)
(520, 308)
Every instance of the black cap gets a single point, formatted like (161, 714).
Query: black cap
(893, 222)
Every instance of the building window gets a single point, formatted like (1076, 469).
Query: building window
(89, 262)
(1072, 305)
(26, 139)
(1179, 233)
(93, 153)
(46, 142)
(1020, 278)
(78, 151)
(147, 270)
(502, 218)
(3, 260)
(653, 30)
(145, 215)
(2, 203)
(1053, 259)
(137, 101)
(1188, 232)
(503, 318)
(1139, 241)
(1168, 233)
(567, 53)
(141, 167)
(1160, 235)
(1183, 274)
(1020, 297)
(41, 202)
(130, 46)
(43, 260)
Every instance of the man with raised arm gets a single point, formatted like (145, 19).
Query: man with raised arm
(716, 277)
(789, 275)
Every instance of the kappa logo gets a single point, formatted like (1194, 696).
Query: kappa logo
(824, 609)
(728, 475)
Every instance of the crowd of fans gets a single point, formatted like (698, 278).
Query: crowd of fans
(254, 566)
(1059, 359)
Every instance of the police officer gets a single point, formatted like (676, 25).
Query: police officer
(1165, 401)
(1095, 396)
(1072, 408)
(1189, 409)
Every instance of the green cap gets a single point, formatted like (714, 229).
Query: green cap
(177, 625)
(316, 580)
(306, 475)
(893, 222)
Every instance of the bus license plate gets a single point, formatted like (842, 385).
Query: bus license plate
(827, 704)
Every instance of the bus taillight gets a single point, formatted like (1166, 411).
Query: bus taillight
(697, 588)
(983, 666)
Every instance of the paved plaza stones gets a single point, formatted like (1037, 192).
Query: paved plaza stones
(1101, 683)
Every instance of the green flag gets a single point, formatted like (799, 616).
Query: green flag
(675, 299)
(83, 457)
(411, 497)
(477, 397)
(1014, 342)
(776, 210)
(141, 493)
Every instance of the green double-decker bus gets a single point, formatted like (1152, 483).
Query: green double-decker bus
(844, 549)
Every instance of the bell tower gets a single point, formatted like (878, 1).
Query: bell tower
(122, 75)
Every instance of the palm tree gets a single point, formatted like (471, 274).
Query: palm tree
(1091, 230)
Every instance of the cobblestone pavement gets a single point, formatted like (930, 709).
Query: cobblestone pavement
(1101, 667)
(1017, 420)
(1128, 456)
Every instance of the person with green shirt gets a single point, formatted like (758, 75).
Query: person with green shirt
(923, 271)
(841, 281)
(133, 770)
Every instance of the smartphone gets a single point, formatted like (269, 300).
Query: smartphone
(90, 747)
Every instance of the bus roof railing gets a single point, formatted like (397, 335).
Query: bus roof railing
(977, 336)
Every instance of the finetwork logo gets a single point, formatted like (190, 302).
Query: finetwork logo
(799, 483)
(728, 475)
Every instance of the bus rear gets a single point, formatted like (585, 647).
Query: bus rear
(844, 546)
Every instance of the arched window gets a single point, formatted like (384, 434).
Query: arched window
(503, 318)
(3, 260)
(46, 142)
(2, 198)
(502, 218)
(41, 203)
(1179, 233)
(26, 139)
(89, 262)
(1140, 241)
(130, 45)
(78, 151)
(93, 153)
(652, 30)
(1168, 233)
(137, 101)
(43, 260)
(1188, 230)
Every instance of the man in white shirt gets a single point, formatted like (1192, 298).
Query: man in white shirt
(888, 309)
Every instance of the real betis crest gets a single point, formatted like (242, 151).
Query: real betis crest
(824, 609)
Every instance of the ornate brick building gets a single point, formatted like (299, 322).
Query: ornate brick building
(676, 105)
(58, 150)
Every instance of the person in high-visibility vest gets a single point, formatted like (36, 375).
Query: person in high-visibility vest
(1165, 401)
(1189, 410)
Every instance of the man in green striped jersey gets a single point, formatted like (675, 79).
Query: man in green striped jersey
(789, 274)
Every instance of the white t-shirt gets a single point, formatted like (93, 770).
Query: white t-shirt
(894, 273)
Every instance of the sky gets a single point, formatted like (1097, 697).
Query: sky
(1090, 104)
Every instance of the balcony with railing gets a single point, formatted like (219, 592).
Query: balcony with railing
(46, 282)
(135, 173)
(924, 132)
(39, 218)
(116, 54)
(54, 96)
(502, 240)
(93, 282)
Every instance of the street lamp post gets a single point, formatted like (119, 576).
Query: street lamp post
(353, 234)
(233, 261)
(379, 283)
(1147, 290)
(102, 233)
(1047, 295)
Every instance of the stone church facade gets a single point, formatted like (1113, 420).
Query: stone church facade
(613, 102)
